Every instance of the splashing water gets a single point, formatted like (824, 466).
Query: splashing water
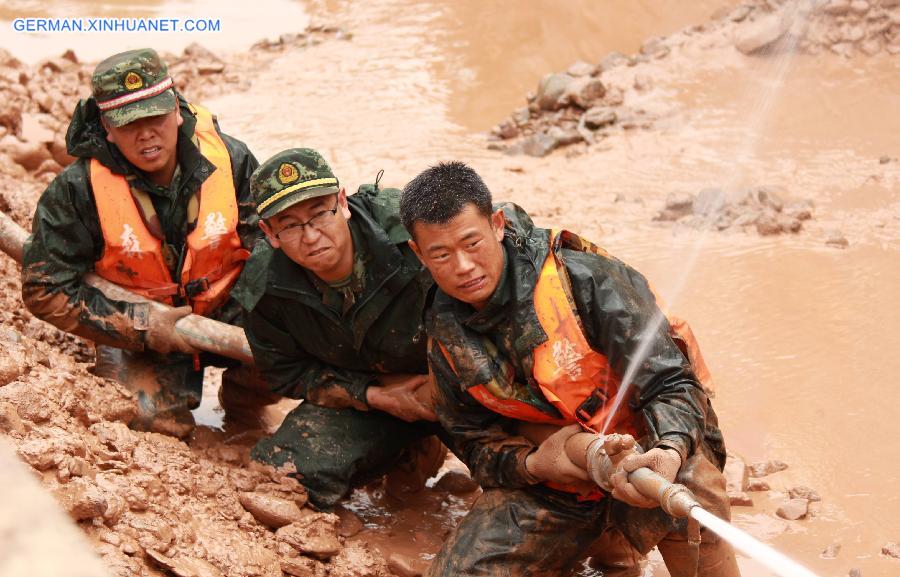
(772, 559)
(795, 15)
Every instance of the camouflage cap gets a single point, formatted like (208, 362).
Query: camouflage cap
(133, 85)
(289, 177)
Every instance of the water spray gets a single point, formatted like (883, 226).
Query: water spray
(590, 451)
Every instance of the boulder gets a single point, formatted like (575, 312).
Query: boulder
(793, 509)
(550, 90)
(760, 34)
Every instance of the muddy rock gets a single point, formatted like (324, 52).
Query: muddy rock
(9, 419)
(29, 155)
(758, 35)
(403, 566)
(837, 7)
(804, 492)
(737, 478)
(891, 549)
(550, 90)
(582, 92)
(741, 499)
(315, 535)
(359, 560)
(854, 573)
(350, 523)
(153, 532)
(836, 239)
(82, 500)
(831, 551)
(506, 130)
(581, 68)
(456, 483)
(598, 117)
(756, 485)
(767, 468)
(539, 145)
(793, 509)
(303, 567)
(185, 566)
(271, 511)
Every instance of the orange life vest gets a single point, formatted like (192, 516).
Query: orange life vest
(132, 254)
(574, 378)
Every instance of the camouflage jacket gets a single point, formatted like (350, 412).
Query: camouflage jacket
(67, 240)
(307, 350)
(614, 304)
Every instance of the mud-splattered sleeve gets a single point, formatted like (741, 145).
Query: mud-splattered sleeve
(495, 457)
(622, 321)
(292, 372)
(64, 245)
(243, 163)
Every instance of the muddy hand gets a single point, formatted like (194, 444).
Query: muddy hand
(399, 395)
(161, 335)
(551, 463)
(665, 462)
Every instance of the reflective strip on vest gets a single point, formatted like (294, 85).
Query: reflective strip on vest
(133, 256)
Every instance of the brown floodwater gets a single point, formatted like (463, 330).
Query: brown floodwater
(802, 338)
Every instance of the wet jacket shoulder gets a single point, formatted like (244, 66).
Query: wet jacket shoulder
(67, 240)
(307, 350)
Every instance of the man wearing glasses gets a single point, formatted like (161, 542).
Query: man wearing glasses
(333, 313)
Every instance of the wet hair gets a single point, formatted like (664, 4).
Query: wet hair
(441, 192)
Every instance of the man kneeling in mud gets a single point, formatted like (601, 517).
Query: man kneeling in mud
(533, 327)
(334, 316)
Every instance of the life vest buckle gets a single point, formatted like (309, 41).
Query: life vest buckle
(591, 405)
(196, 286)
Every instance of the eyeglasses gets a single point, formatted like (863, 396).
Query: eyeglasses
(318, 221)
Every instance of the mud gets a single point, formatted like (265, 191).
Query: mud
(795, 330)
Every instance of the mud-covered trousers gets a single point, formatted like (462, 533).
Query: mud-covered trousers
(539, 532)
(335, 450)
(167, 387)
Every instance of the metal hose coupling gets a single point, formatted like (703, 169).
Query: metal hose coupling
(674, 498)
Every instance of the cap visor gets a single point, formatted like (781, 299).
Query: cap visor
(299, 196)
(160, 104)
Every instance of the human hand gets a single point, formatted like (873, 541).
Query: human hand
(551, 463)
(665, 462)
(407, 397)
(161, 335)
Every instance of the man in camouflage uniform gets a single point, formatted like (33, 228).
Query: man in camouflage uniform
(335, 317)
(130, 201)
(490, 334)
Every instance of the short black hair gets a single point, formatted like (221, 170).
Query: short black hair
(441, 192)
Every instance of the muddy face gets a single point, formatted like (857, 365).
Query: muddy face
(150, 144)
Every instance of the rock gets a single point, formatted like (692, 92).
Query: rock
(804, 492)
(81, 500)
(303, 567)
(506, 130)
(737, 478)
(859, 7)
(614, 96)
(831, 551)
(564, 136)
(580, 68)
(767, 224)
(853, 34)
(315, 535)
(34, 128)
(836, 239)
(582, 92)
(767, 468)
(740, 13)
(871, 47)
(271, 511)
(837, 7)
(358, 560)
(757, 485)
(456, 483)
(761, 33)
(539, 144)
(206, 68)
(598, 117)
(29, 155)
(10, 422)
(793, 509)
(854, 573)
(521, 116)
(550, 89)
(613, 60)
(59, 152)
(402, 566)
(740, 499)
(884, 159)
(801, 210)
(891, 549)
(642, 82)
(115, 436)
(185, 566)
